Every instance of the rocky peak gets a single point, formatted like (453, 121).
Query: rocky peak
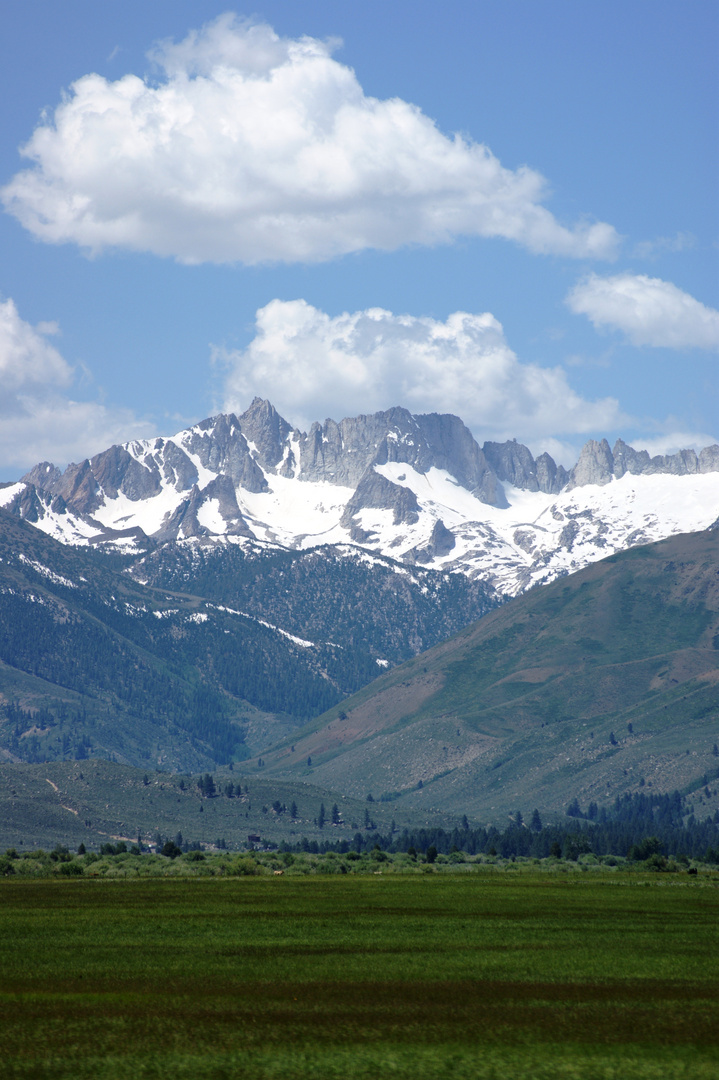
(452, 446)
(709, 459)
(263, 426)
(222, 448)
(551, 478)
(628, 460)
(513, 463)
(45, 476)
(595, 465)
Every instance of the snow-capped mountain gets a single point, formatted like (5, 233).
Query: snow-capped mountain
(416, 488)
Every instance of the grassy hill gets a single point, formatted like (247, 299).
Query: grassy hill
(600, 683)
(96, 802)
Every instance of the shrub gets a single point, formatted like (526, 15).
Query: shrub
(70, 869)
(245, 867)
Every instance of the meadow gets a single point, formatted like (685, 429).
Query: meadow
(491, 974)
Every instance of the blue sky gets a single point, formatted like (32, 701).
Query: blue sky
(322, 164)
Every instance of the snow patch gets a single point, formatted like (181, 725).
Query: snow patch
(57, 579)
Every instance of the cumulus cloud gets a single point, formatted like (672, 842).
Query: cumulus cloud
(648, 310)
(39, 421)
(313, 365)
(254, 148)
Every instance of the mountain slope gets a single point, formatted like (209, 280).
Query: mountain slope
(417, 489)
(92, 660)
(597, 684)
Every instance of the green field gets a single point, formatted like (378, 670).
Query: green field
(502, 975)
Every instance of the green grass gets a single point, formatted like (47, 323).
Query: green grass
(472, 976)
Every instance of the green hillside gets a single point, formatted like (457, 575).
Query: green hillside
(600, 683)
(96, 802)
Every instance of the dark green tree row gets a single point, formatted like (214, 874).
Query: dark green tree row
(631, 828)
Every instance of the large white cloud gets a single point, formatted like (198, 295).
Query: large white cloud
(648, 310)
(254, 148)
(39, 421)
(312, 365)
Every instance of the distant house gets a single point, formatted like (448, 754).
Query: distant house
(253, 838)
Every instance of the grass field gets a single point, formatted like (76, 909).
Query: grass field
(468, 976)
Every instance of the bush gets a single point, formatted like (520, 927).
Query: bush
(245, 867)
(70, 869)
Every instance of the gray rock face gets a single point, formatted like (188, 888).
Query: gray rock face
(34, 505)
(79, 488)
(177, 468)
(595, 465)
(342, 453)
(595, 461)
(222, 448)
(263, 426)
(44, 476)
(628, 460)
(682, 463)
(709, 459)
(31, 505)
(375, 492)
(440, 543)
(551, 478)
(451, 446)
(513, 463)
(115, 470)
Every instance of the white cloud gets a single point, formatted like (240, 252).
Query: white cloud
(648, 310)
(672, 442)
(312, 365)
(254, 148)
(38, 419)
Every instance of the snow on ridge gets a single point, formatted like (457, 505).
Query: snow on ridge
(7, 494)
(39, 568)
(536, 538)
(270, 626)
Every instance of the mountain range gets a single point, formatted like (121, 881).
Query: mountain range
(417, 489)
(193, 601)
